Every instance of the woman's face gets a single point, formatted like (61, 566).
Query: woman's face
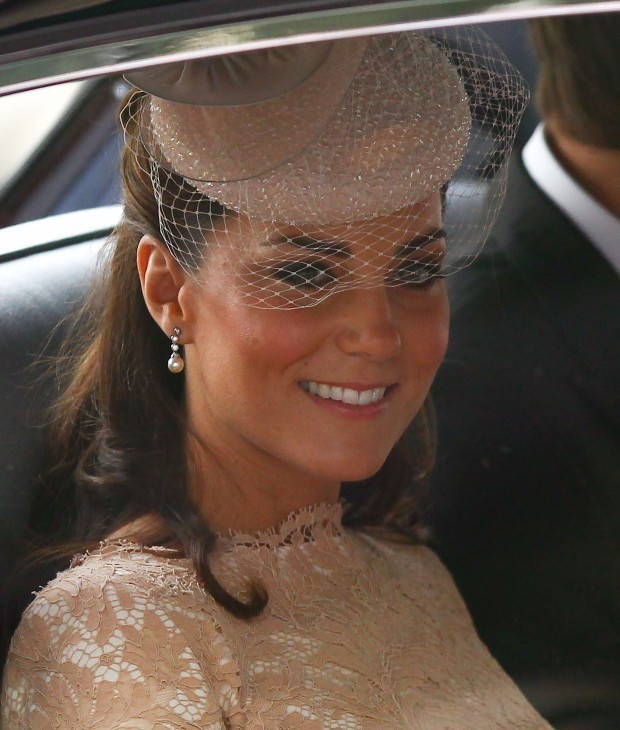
(320, 393)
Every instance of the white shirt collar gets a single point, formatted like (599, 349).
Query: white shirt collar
(600, 226)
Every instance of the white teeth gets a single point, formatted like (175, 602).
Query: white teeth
(346, 395)
(350, 396)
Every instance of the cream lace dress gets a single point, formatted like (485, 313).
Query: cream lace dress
(358, 634)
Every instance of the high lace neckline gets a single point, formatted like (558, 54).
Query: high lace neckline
(308, 524)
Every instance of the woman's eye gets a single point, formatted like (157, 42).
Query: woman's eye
(304, 275)
(418, 274)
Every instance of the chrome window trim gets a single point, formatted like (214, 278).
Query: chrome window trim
(50, 65)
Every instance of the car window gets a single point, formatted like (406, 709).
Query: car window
(64, 149)
(28, 120)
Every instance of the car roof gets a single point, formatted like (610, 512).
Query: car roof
(44, 43)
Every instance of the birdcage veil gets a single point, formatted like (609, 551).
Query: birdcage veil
(318, 168)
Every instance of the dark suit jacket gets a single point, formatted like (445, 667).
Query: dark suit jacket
(526, 500)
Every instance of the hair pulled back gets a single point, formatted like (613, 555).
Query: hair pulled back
(118, 432)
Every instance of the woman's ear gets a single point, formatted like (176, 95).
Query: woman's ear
(163, 281)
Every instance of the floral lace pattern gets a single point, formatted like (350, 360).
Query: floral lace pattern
(358, 634)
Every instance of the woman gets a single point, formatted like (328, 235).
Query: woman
(290, 246)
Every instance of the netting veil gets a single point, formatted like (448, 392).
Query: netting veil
(307, 170)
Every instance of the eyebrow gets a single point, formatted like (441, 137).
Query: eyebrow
(333, 248)
(420, 241)
(341, 250)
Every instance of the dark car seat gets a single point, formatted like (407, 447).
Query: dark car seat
(45, 270)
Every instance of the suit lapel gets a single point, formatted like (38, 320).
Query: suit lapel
(575, 287)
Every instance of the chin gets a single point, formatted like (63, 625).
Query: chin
(346, 462)
(360, 469)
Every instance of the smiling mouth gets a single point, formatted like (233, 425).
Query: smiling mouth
(350, 396)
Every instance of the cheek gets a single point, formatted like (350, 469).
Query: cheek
(427, 335)
(276, 336)
(263, 339)
(438, 340)
(440, 345)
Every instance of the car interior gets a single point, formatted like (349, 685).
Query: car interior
(57, 213)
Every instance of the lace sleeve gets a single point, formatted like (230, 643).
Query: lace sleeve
(110, 654)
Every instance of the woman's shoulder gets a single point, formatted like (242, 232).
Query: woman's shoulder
(124, 566)
(102, 626)
(115, 601)
(404, 553)
(418, 573)
(118, 583)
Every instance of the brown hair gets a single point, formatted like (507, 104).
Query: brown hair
(118, 431)
(579, 75)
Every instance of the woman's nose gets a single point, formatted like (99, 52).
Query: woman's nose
(368, 328)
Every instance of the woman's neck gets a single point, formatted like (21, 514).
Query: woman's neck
(251, 494)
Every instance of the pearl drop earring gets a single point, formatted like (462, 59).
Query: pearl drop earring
(175, 363)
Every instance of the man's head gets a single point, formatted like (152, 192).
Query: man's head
(579, 77)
